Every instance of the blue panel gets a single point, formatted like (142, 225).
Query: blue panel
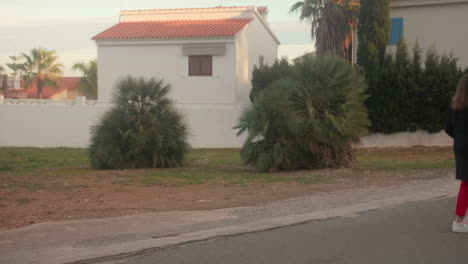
(396, 30)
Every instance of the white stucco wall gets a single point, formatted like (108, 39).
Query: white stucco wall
(211, 125)
(164, 59)
(260, 42)
(48, 123)
(435, 24)
(253, 42)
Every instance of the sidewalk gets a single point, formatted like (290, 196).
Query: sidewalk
(100, 239)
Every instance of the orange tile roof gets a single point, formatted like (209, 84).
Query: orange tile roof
(175, 29)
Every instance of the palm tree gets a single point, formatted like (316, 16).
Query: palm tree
(311, 119)
(88, 83)
(333, 23)
(41, 66)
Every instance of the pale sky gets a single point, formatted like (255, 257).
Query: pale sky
(67, 26)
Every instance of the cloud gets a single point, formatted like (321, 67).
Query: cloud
(7, 37)
(292, 51)
(70, 38)
(292, 32)
(71, 57)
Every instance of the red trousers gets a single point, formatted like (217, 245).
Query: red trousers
(462, 200)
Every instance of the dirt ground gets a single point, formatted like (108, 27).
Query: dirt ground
(78, 199)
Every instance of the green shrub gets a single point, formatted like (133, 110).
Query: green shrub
(411, 92)
(142, 130)
(265, 75)
(440, 79)
(310, 120)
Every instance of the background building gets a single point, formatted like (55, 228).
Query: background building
(206, 54)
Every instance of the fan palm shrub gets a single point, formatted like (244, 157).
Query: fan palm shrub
(309, 120)
(142, 130)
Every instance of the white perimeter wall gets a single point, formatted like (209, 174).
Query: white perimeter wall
(47, 123)
(443, 27)
(165, 60)
(406, 139)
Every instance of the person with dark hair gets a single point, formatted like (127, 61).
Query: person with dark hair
(457, 128)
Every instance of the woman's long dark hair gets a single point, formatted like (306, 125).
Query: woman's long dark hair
(460, 99)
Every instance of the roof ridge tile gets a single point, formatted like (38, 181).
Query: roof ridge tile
(192, 28)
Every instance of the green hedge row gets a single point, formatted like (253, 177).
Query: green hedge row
(413, 90)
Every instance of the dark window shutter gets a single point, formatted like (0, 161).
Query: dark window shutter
(193, 65)
(200, 65)
(207, 65)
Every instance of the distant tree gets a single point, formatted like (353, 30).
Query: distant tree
(16, 66)
(333, 23)
(373, 33)
(41, 66)
(373, 36)
(88, 83)
(2, 86)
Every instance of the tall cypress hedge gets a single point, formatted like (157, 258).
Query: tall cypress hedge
(408, 90)
(373, 36)
(413, 92)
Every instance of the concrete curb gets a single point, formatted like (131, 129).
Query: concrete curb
(142, 247)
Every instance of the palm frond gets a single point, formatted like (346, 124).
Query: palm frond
(308, 120)
(88, 82)
(142, 130)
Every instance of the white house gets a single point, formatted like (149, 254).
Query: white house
(207, 54)
(438, 24)
(435, 24)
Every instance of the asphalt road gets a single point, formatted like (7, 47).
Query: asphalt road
(412, 233)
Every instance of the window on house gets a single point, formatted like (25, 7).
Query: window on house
(201, 65)
(261, 61)
(396, 31)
